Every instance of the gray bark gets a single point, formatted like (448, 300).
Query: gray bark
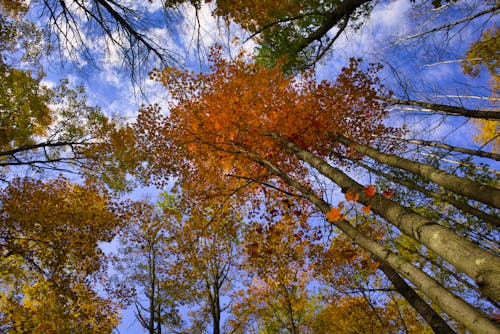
(468, 188)
(447, 109)
(482, 266)
(471, 318)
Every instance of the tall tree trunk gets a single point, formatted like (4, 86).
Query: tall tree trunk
(466, 208)
(462, 312)
(447, 109)
(431, 317)
(152, 299)
(214, 302)
(217, 310)
(468, 188)
(482, 266)
(464, 150)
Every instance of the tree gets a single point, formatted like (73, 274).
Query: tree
(256, 145)
(141, 262)
(42, 128)
(51, 259)
(295, 31)
(275, 298)
(202, 241)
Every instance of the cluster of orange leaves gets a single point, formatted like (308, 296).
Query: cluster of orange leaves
(335, 213)
(221, 123)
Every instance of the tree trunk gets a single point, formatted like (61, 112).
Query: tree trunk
(477, 153)
(438, 325)
(468, 188)
(217, 311)
(464, 207)
(462, 312)
(343, 10)
(482, 266)
(152, 297)
(446, 109)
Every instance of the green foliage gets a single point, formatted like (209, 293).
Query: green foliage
(24, 108)
(291, 33)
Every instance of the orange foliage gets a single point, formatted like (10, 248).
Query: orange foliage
(222, 124)
(334, 214)
(349, 196)
(388, 193)
(370, 190)
(366, 209)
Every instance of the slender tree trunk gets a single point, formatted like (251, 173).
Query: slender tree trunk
(482, 266)
(158, 313)
(438, 325)
(447, 109)
(462, 312)
(214, 302)
(477, 153)
(468, 188)
(289, 308)
(152, 300)
(217, 311)
(466, 208)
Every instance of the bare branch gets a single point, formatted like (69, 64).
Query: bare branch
(449, 25)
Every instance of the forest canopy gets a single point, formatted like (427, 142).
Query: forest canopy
(284, 167)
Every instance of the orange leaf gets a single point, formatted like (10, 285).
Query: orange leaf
(349, 196)
(334, 214)
(370, 191)
(388, 193)
(366, 209)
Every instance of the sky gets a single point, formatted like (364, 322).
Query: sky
(110, 87)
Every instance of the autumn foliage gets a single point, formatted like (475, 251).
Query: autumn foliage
(221, 123)
(51, 258)
(252, 233)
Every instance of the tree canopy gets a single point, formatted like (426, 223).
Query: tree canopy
(338, 176)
